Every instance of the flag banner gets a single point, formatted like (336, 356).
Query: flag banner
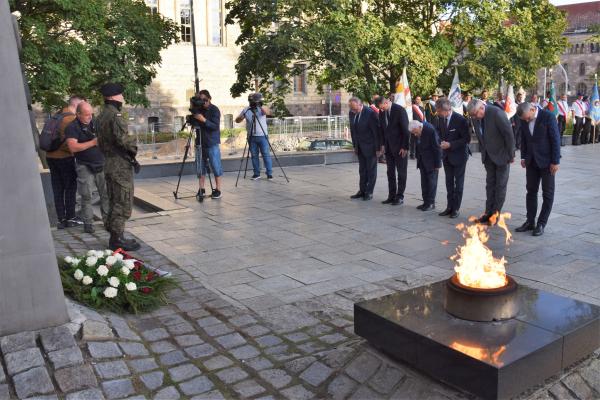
(510, 106)
(455, 95)
(402, 96)
(552, 106)
(595, 105)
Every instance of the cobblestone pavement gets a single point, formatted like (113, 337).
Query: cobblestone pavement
(268, 278)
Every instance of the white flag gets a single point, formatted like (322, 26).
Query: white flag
(510, 106)
(402, 96)
(455, 96)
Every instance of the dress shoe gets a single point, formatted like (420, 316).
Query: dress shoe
(447, 211)
(397, 202)
(527, 226)
(358, 195)
(484, 219)
(388, 201)
(454, 214)
(428, 207)
(539, 230)
(420, 207)
(367, 197)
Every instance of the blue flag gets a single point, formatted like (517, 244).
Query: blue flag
(595, 105)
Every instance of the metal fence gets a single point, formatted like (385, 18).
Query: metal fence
(291, 134)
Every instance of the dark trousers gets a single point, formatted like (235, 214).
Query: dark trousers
(412, 144)
(586, 132)
(534, 175)
(396, 165)
(367, 169)
(577, 130)
(562, 124)
(455, 181)
(496, 181)
(64, 186)
(428, 185)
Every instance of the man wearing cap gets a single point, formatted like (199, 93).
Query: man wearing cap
(579, 109)
(120, 150)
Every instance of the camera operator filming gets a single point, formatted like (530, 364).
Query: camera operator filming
(256, 127)
(206, 118)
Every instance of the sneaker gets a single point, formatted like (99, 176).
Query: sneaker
(216, 194)
(74, 222)
(255, 177)
(88, 228)
(270, 177)
(200, 195)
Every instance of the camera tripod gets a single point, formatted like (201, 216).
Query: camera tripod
(252, 132)
(200, 156)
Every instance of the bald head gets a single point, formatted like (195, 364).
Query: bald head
(85, 112)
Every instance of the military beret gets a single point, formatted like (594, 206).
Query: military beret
(111, 89)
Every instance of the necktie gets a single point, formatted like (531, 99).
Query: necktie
(482, 124)
(445, 128)
(387, 118)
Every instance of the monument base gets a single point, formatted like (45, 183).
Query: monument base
(489, 359)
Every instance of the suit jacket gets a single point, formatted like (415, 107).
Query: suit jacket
(544, 145)
(395, 135)
(458, 135)
(429, 153)
(364, 129)
(497, 141)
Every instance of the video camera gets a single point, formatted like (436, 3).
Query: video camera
(255, 100)
(196, 107)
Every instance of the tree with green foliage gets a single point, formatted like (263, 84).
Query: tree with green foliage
(363, 45)
(74, 46)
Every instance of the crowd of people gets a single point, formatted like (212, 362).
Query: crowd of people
(437, 136)
(95, 154)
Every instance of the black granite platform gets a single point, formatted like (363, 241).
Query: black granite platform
(489, 359)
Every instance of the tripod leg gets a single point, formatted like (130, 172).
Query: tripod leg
(277, 159)
(241, 163)
(185, 154)
(247, 158)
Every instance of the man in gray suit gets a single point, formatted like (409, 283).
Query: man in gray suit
(497, 146)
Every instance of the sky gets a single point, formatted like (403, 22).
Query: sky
(563, 2)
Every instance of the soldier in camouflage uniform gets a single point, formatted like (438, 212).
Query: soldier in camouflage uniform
(119, 150)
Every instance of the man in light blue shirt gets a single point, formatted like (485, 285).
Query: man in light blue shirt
(256, 128)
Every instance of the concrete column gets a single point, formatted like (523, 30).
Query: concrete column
(31, 295)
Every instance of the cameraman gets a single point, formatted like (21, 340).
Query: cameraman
(207, 117)
(256, 129)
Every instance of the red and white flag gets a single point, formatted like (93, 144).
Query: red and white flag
(510, 106)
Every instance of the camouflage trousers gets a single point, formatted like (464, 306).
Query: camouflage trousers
(120, 198)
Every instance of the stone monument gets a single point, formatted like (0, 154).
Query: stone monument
(31, 294)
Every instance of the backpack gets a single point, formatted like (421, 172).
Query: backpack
(50, 139)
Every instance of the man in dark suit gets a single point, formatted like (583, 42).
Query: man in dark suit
(429, 160)
(497, 146)
(455, 137)
(540, 156)
(394, 136)
(364, 129)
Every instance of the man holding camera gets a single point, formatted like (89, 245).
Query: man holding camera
(256, 127)
(119, 151)
(83, 143)
(207, 118)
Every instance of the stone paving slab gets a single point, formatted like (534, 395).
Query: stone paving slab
(268, 278)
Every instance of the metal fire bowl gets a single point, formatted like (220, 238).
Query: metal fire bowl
(483, 305)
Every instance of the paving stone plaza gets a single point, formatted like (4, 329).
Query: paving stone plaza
(269, 275)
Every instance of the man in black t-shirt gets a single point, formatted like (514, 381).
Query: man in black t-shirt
(81, 139)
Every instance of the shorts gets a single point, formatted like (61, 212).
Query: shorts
(213, 153)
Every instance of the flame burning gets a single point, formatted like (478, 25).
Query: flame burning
(480, 353)
(476, 265)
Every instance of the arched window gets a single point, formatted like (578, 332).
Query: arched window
(577, 48)
(582, 88)
(562, 88)
(566, 67)
(582, 69)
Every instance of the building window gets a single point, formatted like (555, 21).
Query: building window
(582, 88)
(185, 21)
(562, 88)
(153, 6)
(300, 79)
(582, 69)
(216, 22)
(566, 68)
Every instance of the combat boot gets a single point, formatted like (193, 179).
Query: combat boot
(119, 242)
